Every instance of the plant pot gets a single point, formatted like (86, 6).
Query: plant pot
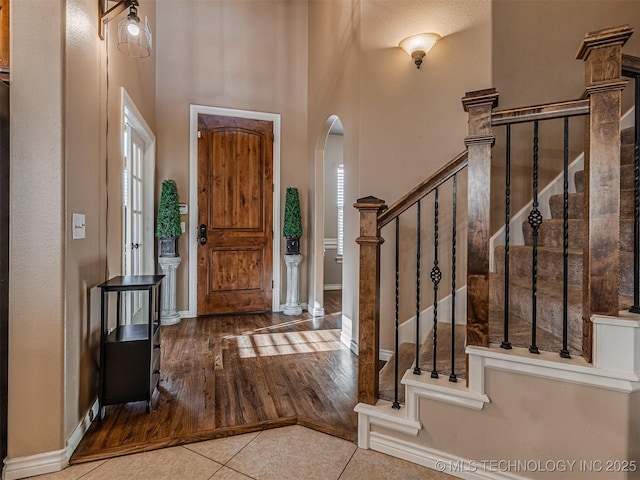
(168, 246)
(293, 246)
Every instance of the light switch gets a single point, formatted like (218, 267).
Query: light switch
(78, 226)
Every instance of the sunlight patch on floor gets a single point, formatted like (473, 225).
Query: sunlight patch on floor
(288, 343)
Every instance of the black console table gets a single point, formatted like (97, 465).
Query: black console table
(129, 354)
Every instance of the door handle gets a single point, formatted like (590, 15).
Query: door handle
(202, 234)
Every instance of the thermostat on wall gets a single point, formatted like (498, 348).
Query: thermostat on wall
(184, 208)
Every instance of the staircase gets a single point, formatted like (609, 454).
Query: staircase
(553, 384)
(550, 263)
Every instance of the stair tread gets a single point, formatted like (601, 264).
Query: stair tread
(520, 333)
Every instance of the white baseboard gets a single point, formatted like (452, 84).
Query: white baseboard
(49, 462)
(385, 355)
(81, 429)
(437, 460)
(332, 286)
(31, 465)
(186, 314)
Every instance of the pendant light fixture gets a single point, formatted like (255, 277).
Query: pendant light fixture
(134, 37)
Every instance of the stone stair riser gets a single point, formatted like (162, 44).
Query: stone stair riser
(551, 234)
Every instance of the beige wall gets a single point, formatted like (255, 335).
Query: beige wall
(334, 72)
(246, 55)
(304, 60)
(412, 121)
(58, 96)
(37, 288)
(532, 418)
(88, 102)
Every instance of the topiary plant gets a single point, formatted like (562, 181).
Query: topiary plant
(168, 223)
(292, 228)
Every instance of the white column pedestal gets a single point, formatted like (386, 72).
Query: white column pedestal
(293, 305)
(168, 311)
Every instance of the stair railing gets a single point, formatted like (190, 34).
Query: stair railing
(602, 53)
(374, 215)
(534, 115)
(631, 69)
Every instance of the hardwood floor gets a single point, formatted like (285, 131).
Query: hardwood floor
(224, 375)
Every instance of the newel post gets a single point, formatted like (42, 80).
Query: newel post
(479, 105)
(602, 54)
(369, 298)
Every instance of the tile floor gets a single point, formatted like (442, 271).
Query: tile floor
(295, 453)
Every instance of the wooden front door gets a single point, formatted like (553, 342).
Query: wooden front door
(235, 214)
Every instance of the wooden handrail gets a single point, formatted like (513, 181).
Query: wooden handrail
(630, 66)
(423, 189)
(570, 108)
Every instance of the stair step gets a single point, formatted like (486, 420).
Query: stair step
(626, 154)
(550, 261)
(443, 351)
(549, 306)
(627, 136)
(407, 355)
(386, 376)
(551, 233)
(576, 200)
(520, 333)
(626, 178)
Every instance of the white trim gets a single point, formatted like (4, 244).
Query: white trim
(435, 459)
(31, 465)
(346, 334)
(81, 429)
(332, 286)
(49, 462)
(194, 111)
(315, 250)
(616, 343)
(330, 243)
(142, 128)
(545, 365)
(385, 355)
(184, 314)
(440, 389)
(383, 415)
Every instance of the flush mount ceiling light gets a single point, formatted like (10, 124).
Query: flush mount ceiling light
(418, 45)
(134, 37)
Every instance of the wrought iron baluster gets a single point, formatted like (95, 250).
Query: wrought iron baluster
(505, 341)
(452, 376)
(436, 276)
(635, 308)
(564, 353)
(535, 220)
(416, 368)
(396, 403)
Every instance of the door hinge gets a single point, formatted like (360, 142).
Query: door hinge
(271, 284)
(199, 134)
